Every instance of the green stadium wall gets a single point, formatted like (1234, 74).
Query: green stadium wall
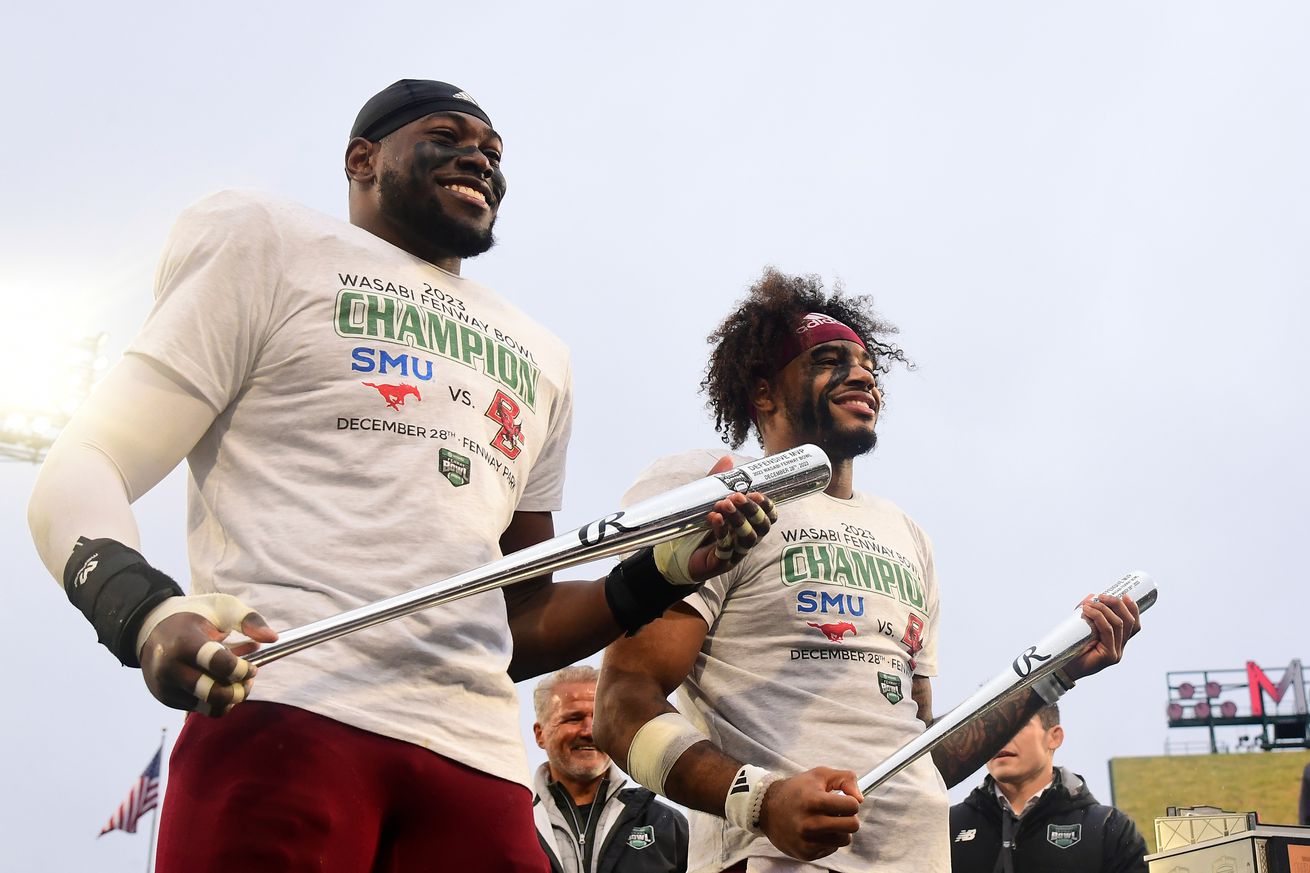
(1267, 783)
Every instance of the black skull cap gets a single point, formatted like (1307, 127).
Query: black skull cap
(408, 100)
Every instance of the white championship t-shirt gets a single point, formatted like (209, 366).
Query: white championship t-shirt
(813, 642)
(379, 422)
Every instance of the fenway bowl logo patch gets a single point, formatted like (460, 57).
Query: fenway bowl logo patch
(890, 686)
(454, 466)
(642, 837)
(1064, 836)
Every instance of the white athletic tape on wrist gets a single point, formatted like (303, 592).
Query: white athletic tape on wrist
(673, 558)
(223, 611)
(656, 747)
(746, 797)
(1052, 688)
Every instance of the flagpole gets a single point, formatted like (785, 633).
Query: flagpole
(154, 813)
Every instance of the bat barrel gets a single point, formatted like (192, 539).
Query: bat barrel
(1066, 642)
(782, 477)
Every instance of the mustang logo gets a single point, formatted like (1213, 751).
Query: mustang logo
(395, 394)
(835, 632)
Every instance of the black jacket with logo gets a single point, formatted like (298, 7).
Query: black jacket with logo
(632, 831)
(1066, 831)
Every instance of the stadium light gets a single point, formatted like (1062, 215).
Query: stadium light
(45, 389)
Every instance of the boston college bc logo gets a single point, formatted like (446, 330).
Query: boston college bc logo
(505, 412)
(913, 639)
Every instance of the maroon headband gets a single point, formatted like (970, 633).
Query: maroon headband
(813, 329)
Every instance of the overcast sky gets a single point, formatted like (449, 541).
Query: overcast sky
(1089, 221)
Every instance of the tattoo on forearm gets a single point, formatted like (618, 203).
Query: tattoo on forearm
(976, 741)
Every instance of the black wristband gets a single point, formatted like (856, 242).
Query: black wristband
(638, 593)
(114, 587)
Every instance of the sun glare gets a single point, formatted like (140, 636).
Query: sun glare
(46, 374)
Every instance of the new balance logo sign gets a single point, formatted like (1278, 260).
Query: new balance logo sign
(740, 785)
(87, 569)
(966, 835)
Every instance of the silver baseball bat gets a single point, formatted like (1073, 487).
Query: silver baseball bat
(1066, 642)
(782, 477)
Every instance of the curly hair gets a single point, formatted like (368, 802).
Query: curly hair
(744, 342)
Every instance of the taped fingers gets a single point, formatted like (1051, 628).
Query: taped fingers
(757, 518)
(203, 686)
(189, 689)
(206, 654)
(723, 549)
(219, 661)
(213, 699)
(767, 508)
(744, 536)
(749, 522)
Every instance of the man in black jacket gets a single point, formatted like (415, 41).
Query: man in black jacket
(1030, 816)
(590, 817)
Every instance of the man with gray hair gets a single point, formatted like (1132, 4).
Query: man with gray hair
(590, 817)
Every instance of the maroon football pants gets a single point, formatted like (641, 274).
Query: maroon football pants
(275, 788)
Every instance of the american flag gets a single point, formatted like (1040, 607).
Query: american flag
(143, 797)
